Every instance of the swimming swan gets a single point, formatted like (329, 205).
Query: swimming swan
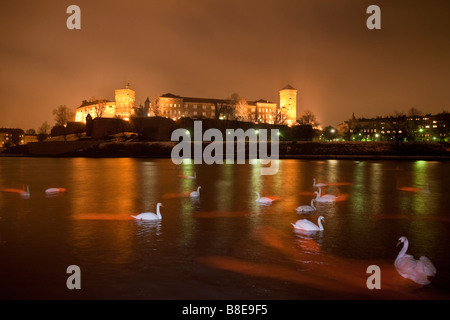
(318, 185)
(410, 268)
(55, 190)
(263, 199)
(306, 207)
(325, 197)
(308, 225)
(196, 194)
(150, 215)
(25, 194)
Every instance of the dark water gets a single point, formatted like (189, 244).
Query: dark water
(224, 246)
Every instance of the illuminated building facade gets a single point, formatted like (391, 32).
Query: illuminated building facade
(175, 107)
(122, 107)
(262, 111)
(404, 128)
(10, 136)
(288, 104)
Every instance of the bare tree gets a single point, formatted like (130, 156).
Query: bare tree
(44, 128)
(63, 115)
(277, 117)
(329, 133)
(225, 110)
(413, 112)
(43, 131)
(308, 117)
(155, 107)
(139, 111)
(99, 108)
(241, 109)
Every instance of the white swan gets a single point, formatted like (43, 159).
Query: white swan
(196, 194)
(25, 194)
(324, 198)
(410, 268)
(54, 190)
(150, 215)
(318, 185)
(192, 177)
(263, 199)
(306, 207)
(308, 225)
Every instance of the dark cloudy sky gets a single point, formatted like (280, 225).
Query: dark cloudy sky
(213, 48)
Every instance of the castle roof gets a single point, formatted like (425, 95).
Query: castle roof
(11, 130)
(170, 95)
(254, 103)
(85, 103)
(190, 99)
(288, 87)
(205, 100)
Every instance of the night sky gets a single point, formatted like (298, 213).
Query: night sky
(213, 48)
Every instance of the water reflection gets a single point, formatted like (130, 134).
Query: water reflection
(226, 229)
(319, 270)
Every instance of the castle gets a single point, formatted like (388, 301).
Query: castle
(173, 106)
(121, 107)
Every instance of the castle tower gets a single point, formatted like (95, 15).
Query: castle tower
(288, 104)
(125, 99)
(147, 107)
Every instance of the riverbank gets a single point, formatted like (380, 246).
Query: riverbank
(287, 150)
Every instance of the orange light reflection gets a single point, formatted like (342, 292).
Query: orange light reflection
(324, 271)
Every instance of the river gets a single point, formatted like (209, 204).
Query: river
(223, 245)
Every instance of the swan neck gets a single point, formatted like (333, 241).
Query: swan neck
(158, 212)
(312, 203)
(320, 223)
(257, 199)
(404, 249)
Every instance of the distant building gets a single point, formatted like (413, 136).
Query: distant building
(11, 137)
(175, 107)
(122, 107)
(404, 128)
(262, 111)
(30, 138)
